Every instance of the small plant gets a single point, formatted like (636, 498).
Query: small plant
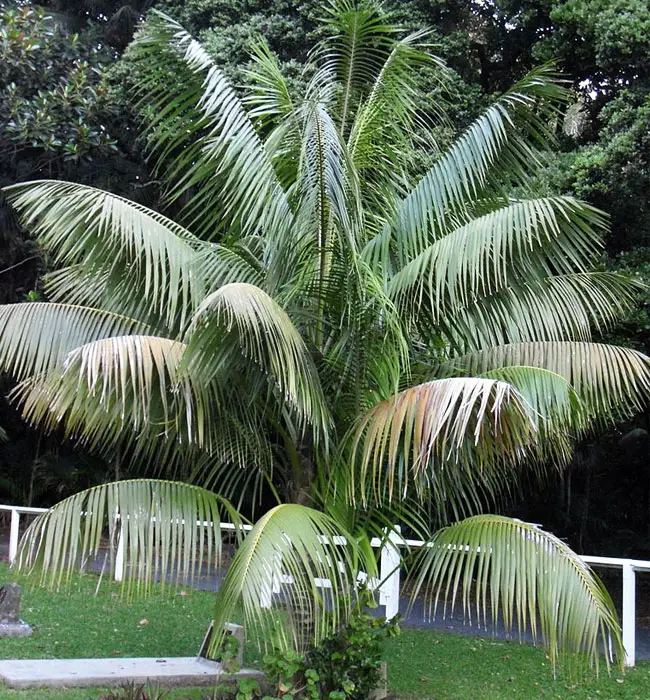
(133, 691)
(228, 653)
(247, 689)
(290, 676)
(346, 666)
(349, 663)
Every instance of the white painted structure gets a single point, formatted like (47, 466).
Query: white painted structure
(389, 573)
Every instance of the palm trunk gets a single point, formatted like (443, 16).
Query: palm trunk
(303, 471)
(303, 484)
(301, 493)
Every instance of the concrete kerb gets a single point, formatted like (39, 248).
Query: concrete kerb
(83, 673)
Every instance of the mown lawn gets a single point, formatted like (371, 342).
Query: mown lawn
(78, 623)
(421, 664)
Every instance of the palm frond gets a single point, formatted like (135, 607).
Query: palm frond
(244, 317)
(308, 548)
(273, 109)
(242, 467)
(168, 530)
(80, 285)
(143, 254)
(566, 307)
(538, 237)
(550, 395)
(269, 93)
(500, 143)
(612, 382)
(516, 570)
(124, 389)
(360, 39)
(387, 119)
(440, 440)
(37, 336)
(203, 136)
(329, 197)
(559, 414)
(220, 264)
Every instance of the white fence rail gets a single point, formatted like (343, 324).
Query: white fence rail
(389, 573)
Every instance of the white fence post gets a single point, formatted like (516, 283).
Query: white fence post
(14, 533)
(266, 589)
(389, 568)
(629, 614)
(119, 556)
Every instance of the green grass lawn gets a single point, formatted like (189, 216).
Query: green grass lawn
(77, 623)
(453, 667)
(421, 664)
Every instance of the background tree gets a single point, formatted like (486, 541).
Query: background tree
(58, 118)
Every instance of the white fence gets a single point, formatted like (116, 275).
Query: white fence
(389, 573)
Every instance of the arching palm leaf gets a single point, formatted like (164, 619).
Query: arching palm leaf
(201, 124)
(106, 233)
(499, 141)
(525, 574)
(388, 120)
(166, 527)
(264, 332)
(611, 381)
(274, 109)
(270, 94)
(329, 207)
(38, 336)
(549, 309)
(324, 177)
(557, 410)
(220, 265)
(121, 388)
(530, 238)
(308, 547)
(440, 438)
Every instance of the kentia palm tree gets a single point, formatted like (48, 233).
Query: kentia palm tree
(328, 328)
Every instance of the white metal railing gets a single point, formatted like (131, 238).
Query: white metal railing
(389, 572)
(14, 528)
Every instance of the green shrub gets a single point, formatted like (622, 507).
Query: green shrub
(346, 666)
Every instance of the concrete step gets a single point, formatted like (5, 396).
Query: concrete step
(81, 673)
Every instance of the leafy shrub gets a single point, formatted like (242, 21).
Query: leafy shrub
(346, 666)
